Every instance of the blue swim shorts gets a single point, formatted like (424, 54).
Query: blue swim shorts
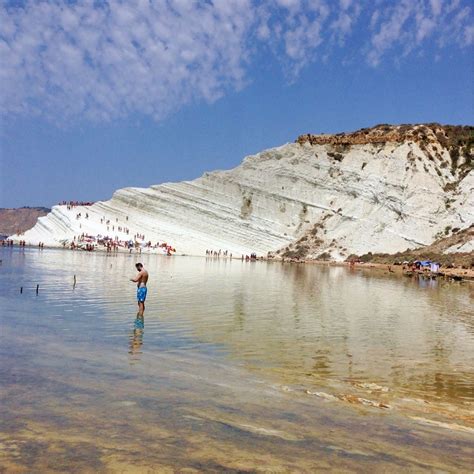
(141, 294)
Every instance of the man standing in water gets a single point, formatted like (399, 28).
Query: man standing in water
(141, 280)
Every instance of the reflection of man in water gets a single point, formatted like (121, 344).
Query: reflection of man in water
(136, 338)
(141, 280)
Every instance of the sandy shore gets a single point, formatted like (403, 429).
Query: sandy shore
(448, 273)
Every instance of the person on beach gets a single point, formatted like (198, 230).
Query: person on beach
(141, 281)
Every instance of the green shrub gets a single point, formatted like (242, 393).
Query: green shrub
(324, 256)
(367, 257)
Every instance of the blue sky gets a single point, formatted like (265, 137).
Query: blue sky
(95, 96)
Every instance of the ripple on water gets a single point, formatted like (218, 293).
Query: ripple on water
(304, 325)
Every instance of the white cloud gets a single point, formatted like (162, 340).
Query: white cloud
(104, 60)
(342, 26)
(67, 60)
(407, 25)
(436, 6)
(469, 35)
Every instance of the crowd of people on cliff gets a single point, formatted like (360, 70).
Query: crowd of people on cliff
(71, 204)
(86, 241)
(91, 242)
(113, 244)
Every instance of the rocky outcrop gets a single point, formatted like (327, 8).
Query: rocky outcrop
(20, 219)
(384, 189)
(448, 136)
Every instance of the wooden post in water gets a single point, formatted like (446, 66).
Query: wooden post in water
(21, 289)
(37, 288)
(74, 284)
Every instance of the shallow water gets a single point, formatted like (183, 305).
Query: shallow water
(236, 366)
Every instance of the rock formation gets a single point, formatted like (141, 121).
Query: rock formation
(20, 219)
(383, 189)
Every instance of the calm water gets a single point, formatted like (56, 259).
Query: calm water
(236, 367)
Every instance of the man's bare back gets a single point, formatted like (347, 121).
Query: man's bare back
(141, 278)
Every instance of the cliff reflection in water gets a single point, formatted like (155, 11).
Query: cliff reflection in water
(303, 324)
(313, 325)
(245, 366)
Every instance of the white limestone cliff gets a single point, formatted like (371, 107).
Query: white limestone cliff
(379, 195)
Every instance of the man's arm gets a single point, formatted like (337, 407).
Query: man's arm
(138, 277)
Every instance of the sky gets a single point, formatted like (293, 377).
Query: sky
(101, 95)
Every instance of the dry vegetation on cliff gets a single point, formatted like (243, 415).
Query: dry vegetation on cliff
(457, 139)
(435, 252)
(447, 135)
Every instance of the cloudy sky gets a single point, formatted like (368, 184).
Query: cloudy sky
(97, 95)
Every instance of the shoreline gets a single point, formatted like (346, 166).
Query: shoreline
(449, 274)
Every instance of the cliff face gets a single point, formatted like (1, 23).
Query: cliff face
(384, 189)
(20, 219)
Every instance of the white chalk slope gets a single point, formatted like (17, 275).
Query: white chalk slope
(378, 198)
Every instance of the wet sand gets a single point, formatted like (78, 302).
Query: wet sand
(198, 416)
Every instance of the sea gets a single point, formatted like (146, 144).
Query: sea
(236, 367)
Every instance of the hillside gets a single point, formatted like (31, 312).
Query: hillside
(455, 249)
(444, 150)
(20, 219)
(383, 189)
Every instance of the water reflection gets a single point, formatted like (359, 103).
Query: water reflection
(136, 338)
(237, 355)
(425, 281)
(302, 324)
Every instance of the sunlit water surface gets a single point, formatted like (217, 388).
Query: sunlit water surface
(237, 366)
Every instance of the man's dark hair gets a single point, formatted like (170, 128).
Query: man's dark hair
(139, 266)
